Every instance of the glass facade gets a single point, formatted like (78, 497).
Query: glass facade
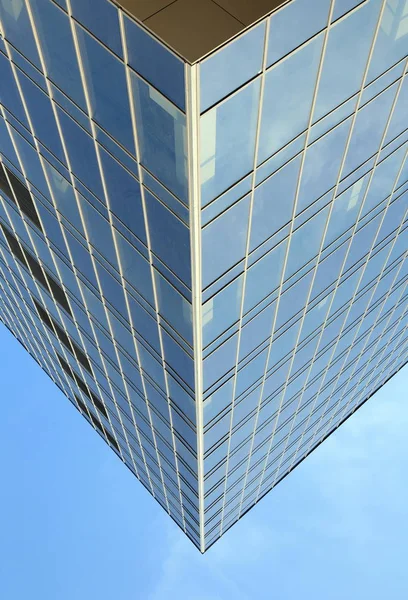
(208, 259)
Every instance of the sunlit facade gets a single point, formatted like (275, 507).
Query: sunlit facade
(203, 234)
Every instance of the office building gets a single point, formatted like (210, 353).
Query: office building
(203, 227)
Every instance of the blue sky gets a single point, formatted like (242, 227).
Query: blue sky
(75, 524)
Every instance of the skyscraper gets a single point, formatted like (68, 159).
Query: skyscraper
(203, 227)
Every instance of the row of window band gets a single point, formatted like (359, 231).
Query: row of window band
(246, 411)
(237, 469)
(311, 328)
(337, 309)
(276, 240)
(288, 152)
(290, 463)
(314, 385)
(300, 288)
(185, 467)
(268, 241)
(191, 507)
(318, 430)
(318, 426)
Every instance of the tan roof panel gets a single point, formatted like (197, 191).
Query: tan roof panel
(193, 28)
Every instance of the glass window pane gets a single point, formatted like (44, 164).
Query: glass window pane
(264, 276)
(343, 6)
(221, 311)
(228, 141)
(231, 67)
(109, 101)
(322, 164)
(58, 49)
(154, 62)
(391, 43)
(9, 94)
(174, 308)
(369, 129)
(162, 137)
(170, 238)
(294, 24)
(101, 18)
(124, 195)
(345, 210)
(81, 152)
(305, 242)
(17, 29)
(344, 64)
(42, 117)
(289, 88)
(224, 241)
(273, 203)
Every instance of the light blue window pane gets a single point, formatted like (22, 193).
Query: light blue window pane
(162, 137)
(345, 210)
(382, 82)
(42, 116)
(256, 331)
(220, 362)
(333, 119)
(124, 195)
(253, 371)
(294, 24)
(368, 129)
(81, 152)
(170, 238)
(344, 63)
(111, 290)
(101, 18)
(383, 179)
(362, 241)
(273, 203)
(228, 141)
(392, 39)
(322, 164)
(9, 94)
(224, 241)
(288, 94)
(264, 276)
(283, 344)
(174, 308)
(328, 270)
(398, 121)
(110, 104)
(31, 163)
(343, 6)
(305, 242)
(155, 63)
(231, 67)
(224, 201)
(293, 300)
(6, 146)
(58, 49)
(17, 29)
(99, 231)
(221, 311)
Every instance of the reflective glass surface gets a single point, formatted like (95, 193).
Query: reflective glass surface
(279, 317)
